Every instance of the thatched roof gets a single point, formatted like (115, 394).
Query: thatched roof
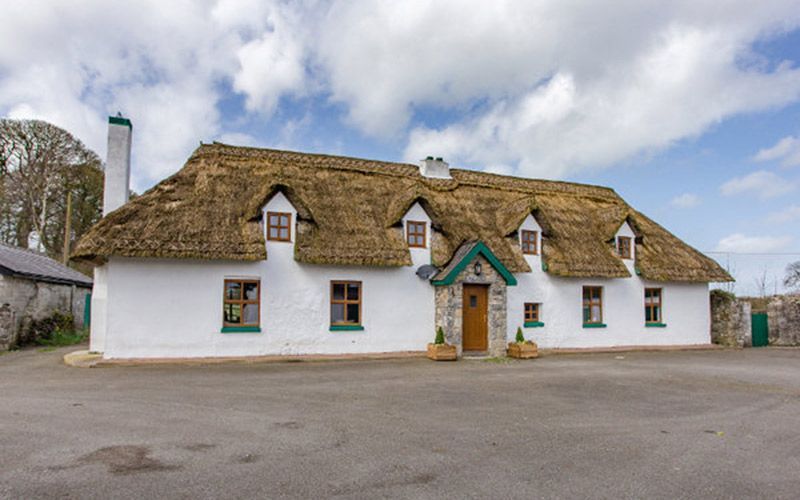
(349, 213)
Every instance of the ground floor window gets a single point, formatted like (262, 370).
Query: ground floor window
(592, 305)
(345, 303)
(532, 312)
(652, 305)
(241, 303)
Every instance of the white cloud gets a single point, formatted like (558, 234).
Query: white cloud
(272, 65)
(788, 214)
(159, 63)
(738, 242)
(685, 200)
(787, 150)
(761, 184)
(537, 88)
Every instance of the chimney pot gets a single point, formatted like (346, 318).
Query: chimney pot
(116, 187)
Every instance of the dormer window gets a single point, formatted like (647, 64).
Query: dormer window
(415, 234)
(530, 242)
(624, 247)
(279, 226)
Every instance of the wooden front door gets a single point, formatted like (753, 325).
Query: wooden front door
(475, 324)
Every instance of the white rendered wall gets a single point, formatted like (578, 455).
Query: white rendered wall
(97, 326)
(173, 308)
(685, 308)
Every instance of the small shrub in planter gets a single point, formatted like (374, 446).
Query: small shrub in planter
(521, 348)
(440, 350)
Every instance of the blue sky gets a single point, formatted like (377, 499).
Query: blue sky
(689, 109)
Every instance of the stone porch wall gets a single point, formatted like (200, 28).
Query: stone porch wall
(449, 303)
(22, 301)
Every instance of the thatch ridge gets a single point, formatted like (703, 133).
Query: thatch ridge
(349, 211)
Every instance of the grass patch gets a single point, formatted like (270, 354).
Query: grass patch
(61, 338)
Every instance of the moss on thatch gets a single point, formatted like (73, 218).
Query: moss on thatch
(349, 212)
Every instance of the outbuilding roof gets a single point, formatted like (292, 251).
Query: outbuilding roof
(350, 213)
(22, 263)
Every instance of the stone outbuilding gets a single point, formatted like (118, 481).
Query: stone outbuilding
(33, 287)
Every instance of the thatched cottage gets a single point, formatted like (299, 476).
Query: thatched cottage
(250, 251)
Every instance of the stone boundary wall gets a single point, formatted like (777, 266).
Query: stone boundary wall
(783, 317)
(730, 320)
(22, 301)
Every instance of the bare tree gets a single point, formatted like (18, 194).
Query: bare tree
(762, 282)
(39, 165)
(792, 279)
(730, 267)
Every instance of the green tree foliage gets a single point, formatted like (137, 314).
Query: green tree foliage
(520, 338)
(39, 164)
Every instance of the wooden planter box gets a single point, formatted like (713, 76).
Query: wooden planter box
(526, 350)
(442, 352)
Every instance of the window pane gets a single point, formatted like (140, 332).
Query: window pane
(595, 313)
(586, 316)
(250, 314)
(273, 232)
(473, 301)
(273, 220)
(656, 314)
(337, 313)
(284, 220)
(233, 313)
(233, 290)
(284, 233)
(352, 313)
(251, 291)
(648, 315)
(587, 294)
(338, 291)
(352, 291)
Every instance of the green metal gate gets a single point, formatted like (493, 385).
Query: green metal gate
(760, 329)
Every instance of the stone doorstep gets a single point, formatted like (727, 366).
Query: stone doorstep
(82, 359)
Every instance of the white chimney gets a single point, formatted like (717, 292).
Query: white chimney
(118, 164)
(436, 168)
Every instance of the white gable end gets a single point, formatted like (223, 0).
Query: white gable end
(419, 256)
(626, 231)
(279, 203)
(530, 224)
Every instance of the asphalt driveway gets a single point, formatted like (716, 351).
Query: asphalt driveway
(713, 424)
